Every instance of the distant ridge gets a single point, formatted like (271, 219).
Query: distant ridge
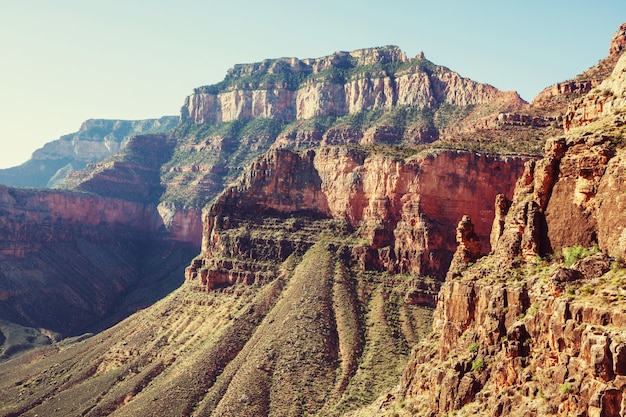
(95, 140)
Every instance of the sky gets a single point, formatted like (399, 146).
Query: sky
(65, 61)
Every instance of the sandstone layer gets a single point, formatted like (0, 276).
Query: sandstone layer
(291, 89)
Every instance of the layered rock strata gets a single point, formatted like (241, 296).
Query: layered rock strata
(32, 217)
(133, 174)
(290, 89)
(70, 260)
(513, 349)
(605, 99)
(404, 211)
(517, 335)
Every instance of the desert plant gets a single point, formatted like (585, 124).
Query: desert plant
(576, 253)
(478, 365)
(566, 388)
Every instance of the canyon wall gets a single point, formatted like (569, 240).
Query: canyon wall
(31, 217)
(404, 211)
(70, 260)
(329, 247)
(132, 174)
(98, 138)
(514, 349)
(537, 328)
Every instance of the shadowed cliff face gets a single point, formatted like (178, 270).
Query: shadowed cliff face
(132, 174)
(68, 261)
(32, 217)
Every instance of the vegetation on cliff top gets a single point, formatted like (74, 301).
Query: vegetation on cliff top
(281, 72)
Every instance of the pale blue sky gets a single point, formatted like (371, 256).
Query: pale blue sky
(65, 61)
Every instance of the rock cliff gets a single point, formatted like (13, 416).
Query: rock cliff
(367, 97)
(537, 328)
(349, 83)
(346, 82)
(132, 174)
(70, 261)
(604, 99)
(309, 296)
(560, 99)
(32, 217)
(404, 211)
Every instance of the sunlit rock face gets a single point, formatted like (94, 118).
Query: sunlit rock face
(406, 212)
(290, 89)
(532, 329)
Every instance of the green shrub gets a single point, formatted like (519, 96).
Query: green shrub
(576, 253)
(473, 347)
(478, 365)
(587, 290)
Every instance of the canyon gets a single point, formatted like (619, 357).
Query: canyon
(361, 234)
(404, 211)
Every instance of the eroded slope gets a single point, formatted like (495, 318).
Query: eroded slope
(316, 339)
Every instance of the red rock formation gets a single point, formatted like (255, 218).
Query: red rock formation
(526, 343)
(407, 211)
(575, 189)
(514, 335)
(67, 258)
(281, 181)
(411, 206)
(182, 224)
(133, 175)
(30, 217)
(468, 250)
(618, 43)
(608, 97)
